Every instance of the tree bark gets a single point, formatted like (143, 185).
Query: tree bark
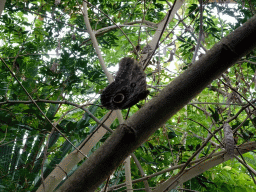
(135, 130)
(2, 3)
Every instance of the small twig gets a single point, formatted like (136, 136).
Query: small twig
(241, 124)
(207, 130)
(106, 185)
(250, 169)
(238, 94)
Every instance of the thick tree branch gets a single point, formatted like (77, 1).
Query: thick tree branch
(156, 112)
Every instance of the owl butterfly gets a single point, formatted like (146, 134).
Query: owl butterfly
(129, 87)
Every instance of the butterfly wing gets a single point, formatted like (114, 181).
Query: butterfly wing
(128, 88)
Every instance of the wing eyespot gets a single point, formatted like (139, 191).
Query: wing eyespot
(118, 98)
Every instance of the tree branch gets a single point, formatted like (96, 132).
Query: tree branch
(135, 130)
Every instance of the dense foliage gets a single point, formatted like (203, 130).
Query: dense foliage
(48, 48)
